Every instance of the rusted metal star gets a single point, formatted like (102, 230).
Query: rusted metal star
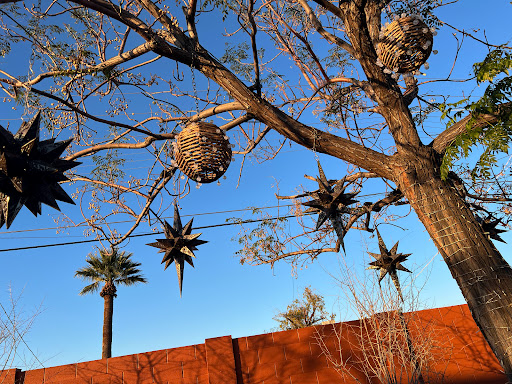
(30, 171)
(179, 245)
(389, 262)
(331, 202)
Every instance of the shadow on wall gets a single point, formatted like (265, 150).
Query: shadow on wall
(324, 354)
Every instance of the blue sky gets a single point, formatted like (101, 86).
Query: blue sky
(220, 296)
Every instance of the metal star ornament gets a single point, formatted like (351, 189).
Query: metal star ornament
(179, 245)
(30, 171)
(389, 262)
(489, 227)
(330, 201)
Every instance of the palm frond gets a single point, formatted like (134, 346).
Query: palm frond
(110, 265)
(91, 288)
(132, 280)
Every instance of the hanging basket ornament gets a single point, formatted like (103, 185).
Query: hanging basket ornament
(389, 262)
(202, 152)
(30, 171)
(179, 245)
(405, 44)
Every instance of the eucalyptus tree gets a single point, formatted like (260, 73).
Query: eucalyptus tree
(87, 56)
(110, 268)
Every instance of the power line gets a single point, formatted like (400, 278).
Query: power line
(144, 234)
(129, 221)
(166, 217)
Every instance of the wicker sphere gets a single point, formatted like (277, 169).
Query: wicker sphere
(405, 44)
(202, 152)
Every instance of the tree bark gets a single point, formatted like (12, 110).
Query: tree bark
(483, 276)
(108, 293)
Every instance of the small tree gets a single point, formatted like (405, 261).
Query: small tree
(110, 267)
(308, 311)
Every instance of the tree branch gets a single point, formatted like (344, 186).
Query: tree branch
(110, 63)
(446, 138)
(261, 109)
(143, 144)
(330, 7)
(92, 117)
(320, 29)
(99, 182)
(165, 177)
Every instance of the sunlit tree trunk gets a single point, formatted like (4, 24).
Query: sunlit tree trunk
(483, 276)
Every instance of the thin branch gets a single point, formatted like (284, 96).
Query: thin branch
(165, 176)
(489, 199)
(92, 117)
(102, 147)
(257, 84)
(320, 29)
(110, 63)
(99, 182)
(233, 106)
(316, 252)
(502, 46)
(236, 122)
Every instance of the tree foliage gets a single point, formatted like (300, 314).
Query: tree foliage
(305, 312)
(493, 71)
(110, 266)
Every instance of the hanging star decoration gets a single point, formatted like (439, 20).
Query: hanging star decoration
(30, 171)
(331, 202)
(489, 226)
(179, 245)
(389, 262)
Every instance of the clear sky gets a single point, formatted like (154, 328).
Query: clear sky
(220, 296)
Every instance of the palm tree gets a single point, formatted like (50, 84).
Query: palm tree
(110, 267)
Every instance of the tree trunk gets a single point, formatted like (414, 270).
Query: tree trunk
(482, 274)
(108, 293)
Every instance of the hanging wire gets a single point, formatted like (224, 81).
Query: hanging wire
(314, 145)
(193, 76)
(145, 234)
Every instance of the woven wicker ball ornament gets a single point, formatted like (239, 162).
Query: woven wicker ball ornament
(405, 44)
(202, 152)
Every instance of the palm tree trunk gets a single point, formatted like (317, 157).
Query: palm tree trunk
(482, 274)
(108, 293)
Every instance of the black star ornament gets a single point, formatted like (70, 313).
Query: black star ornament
(179, 245)
(489, 226)
(30, 171)
(389, 262)
(330, 201)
